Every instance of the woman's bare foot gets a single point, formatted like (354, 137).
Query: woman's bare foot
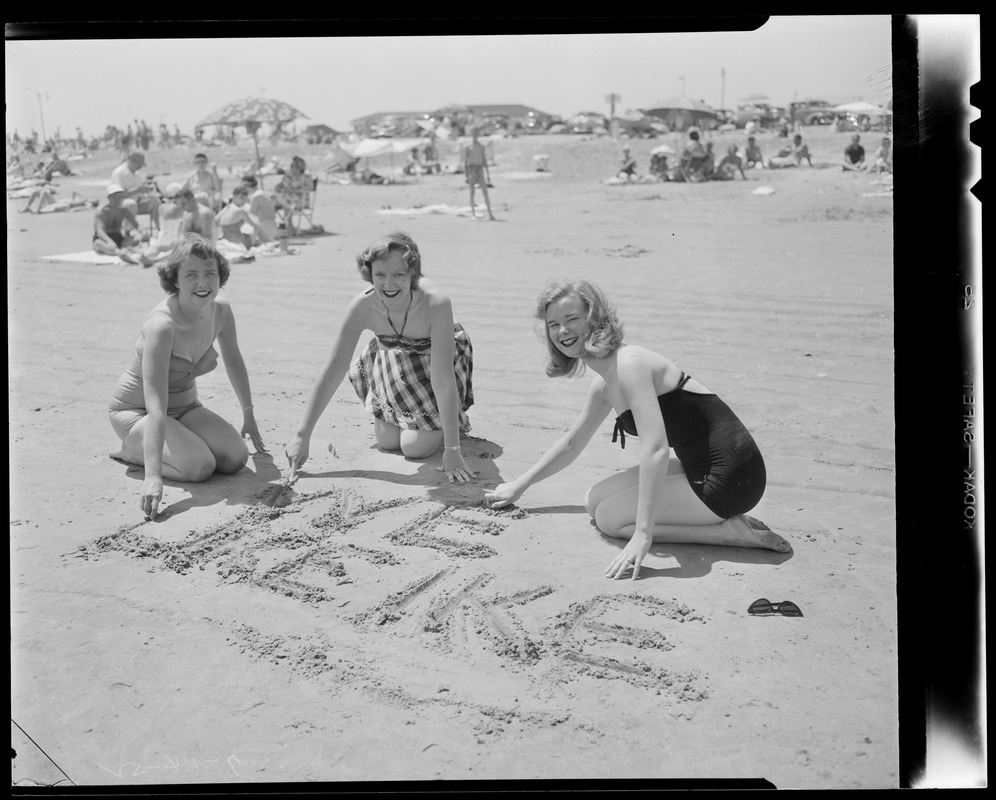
(125, 456)
(751, 532)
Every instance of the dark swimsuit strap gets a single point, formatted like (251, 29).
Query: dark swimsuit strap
(618, 432)
(404, 321)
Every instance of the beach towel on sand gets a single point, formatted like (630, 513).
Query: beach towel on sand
(438, 208)
(86, 257)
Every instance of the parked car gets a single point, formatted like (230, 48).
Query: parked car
(587, 122)
(763, 113)
(811, 112)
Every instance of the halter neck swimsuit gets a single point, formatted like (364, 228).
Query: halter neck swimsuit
(720, 457)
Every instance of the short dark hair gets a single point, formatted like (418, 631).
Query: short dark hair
(191, 244)
(249, 180)
(383, 247)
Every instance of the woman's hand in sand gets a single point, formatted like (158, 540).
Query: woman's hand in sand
(152, 495)
(251, 429)
(455, 467)
(631, 556)
(504, 494)
(297, 453)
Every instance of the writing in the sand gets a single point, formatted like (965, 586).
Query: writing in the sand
(133, 769)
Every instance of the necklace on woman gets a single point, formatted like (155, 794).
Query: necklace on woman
(404, 322)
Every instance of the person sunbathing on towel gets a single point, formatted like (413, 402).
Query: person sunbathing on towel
(414, 375)
(47, 203)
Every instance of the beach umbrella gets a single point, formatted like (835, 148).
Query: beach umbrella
(253, 112)
(680, 112)
(682, 103)
(755, 98)
(860, 107)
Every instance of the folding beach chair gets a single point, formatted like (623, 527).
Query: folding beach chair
(296, 218)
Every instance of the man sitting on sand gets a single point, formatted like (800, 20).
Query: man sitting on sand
(854, 156)
(140, 195)
(115, 229)
(692, 163)
(627, 168)
(729, 166)
(882, 160)
(205, 183)
(196, 218)
(791, 156)
(263, 211)
(752, 154)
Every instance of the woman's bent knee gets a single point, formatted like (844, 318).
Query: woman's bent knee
(607, 522)
(232, 461)
(195, 468)
(419, 449)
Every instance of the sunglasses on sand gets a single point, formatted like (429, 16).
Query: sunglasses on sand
(786, 608)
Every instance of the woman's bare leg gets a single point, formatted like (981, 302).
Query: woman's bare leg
(420, 444)
(388, 436)
(226, 445)
(616, 483)
(186, 457)
(684, 520)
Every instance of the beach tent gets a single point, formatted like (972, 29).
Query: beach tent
(682, 112)
(372, 148)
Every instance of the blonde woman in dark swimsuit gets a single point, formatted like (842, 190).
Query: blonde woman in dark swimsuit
(154, 408)
(701, 496)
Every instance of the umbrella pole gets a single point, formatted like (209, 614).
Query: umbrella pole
(255, 143)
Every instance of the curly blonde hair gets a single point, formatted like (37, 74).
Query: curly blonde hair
(604, 330)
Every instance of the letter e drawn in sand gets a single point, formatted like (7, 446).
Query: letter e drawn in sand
(592, 644)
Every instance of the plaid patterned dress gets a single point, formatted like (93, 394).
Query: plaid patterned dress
(391, 378)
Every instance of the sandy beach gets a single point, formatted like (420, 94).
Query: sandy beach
(376, 623)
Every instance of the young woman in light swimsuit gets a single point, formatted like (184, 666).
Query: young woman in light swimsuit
(154, 408)
(701, 495)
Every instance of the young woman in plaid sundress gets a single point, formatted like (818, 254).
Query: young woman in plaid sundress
(414, 376)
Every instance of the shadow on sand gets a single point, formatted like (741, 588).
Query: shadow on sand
(479, 455)
(695, 560)
(241, 489)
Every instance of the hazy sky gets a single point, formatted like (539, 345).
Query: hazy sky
(92, 83)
